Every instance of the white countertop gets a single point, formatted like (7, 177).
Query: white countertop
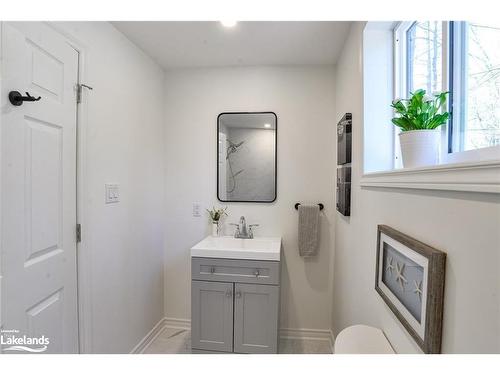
(259, 248)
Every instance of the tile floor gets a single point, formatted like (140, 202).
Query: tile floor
(178, 341)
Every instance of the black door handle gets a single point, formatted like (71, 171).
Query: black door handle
(17, 99)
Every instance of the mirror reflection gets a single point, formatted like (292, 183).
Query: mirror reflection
(246, 165)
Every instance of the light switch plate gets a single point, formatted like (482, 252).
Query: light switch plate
(112, 193)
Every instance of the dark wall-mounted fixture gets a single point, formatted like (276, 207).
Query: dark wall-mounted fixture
(344, 157)
(344, 190)
(344, 139)
(321, 206)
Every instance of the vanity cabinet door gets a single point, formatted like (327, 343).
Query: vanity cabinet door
(256, 310)
(212, 316)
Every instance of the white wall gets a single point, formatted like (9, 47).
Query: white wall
(303, 99)
(122, 251)
(464, 225)
(378, 65)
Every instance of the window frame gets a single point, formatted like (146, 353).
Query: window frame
(457, 88)
(453, 77)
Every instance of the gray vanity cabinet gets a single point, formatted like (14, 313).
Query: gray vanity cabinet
(255, 318)
(212, 319)
(235, 305)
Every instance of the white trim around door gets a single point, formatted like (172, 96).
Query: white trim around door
(83, 248)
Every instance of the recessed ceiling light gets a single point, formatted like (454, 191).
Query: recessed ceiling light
(267, 125)
(228, 23)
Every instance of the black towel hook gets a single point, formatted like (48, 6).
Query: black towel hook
(17, 99)
(321, 206)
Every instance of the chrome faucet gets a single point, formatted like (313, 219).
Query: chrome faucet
(242, 231)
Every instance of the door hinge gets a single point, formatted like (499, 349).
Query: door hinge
(78, 93)
(79, 88)
(78, 233)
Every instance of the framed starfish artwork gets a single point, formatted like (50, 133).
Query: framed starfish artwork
(410, 279)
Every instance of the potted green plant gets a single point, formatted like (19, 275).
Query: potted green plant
(215, 216)
(419, 119)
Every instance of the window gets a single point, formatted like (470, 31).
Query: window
(476, 79)
(464, 59)
(424, 57)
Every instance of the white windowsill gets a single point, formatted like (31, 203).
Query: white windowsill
(483, 177)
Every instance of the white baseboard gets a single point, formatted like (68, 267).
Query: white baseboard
(332, 341)
(309, 334)
(177, 323)
(305, 333)
(291, 333)
(150, 337)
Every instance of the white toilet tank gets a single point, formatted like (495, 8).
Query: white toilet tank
(361, 339)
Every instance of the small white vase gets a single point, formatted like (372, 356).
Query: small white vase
(420, 148)
(215, 229)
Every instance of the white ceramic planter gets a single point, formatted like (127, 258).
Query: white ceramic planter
(420, 148)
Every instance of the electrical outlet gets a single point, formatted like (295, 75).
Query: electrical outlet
(196, 210)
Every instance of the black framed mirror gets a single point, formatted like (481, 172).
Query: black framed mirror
(247, 157)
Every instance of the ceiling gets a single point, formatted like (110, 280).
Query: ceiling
(175, 44)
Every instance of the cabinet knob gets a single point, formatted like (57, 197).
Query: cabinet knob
(229, 293)
(212, 269)
(238, 294)
(256, 273)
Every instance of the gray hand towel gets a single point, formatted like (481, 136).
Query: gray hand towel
(308, 230)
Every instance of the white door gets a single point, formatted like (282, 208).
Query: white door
(38, 186)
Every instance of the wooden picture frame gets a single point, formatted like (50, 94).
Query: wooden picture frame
(410, 278)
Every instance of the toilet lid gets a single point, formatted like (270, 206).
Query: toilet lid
(361, 339)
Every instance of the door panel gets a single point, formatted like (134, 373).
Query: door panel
(255, 318)
(43, 188)
(47, 72)
(45, 316)
(212, 316)
(38, 177)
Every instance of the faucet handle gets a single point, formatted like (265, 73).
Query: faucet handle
(237, 230)
(250, 231)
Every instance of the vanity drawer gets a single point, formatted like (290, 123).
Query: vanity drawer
(235, 270)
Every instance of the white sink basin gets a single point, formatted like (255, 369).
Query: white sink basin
(261, 248)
